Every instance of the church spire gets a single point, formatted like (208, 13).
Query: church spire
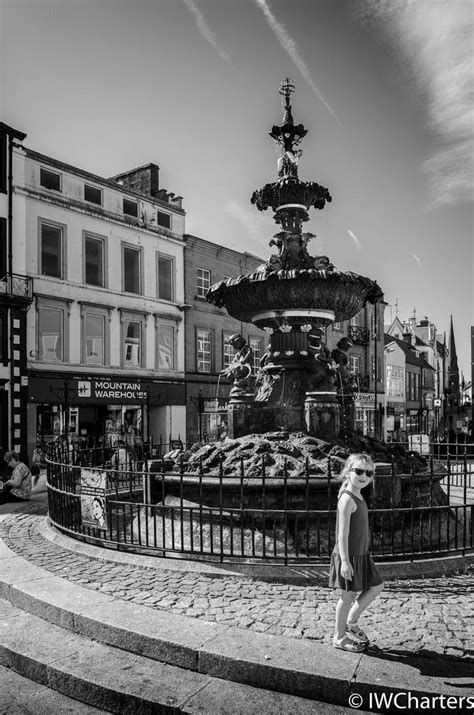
(454, 395)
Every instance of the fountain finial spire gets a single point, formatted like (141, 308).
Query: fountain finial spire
(286, 90)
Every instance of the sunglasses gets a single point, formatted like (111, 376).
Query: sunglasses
(361, 472)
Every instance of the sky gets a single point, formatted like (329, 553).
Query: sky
(384, 88)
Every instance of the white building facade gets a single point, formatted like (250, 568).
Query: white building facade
(105, 336)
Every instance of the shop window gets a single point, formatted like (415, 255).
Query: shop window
(164, 219)
(204, 350)
(92, 194)
(51, 333)
(51, 250)
(130, 208)
(131, 260)
(203, 282)
(256, 345)
(166, 351)
(165, 270)
(228, 350)
(50, 179)
(94, 264)
(94, 339)
(132, 343)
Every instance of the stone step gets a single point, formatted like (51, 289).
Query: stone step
(117, 681)
(20, 696)
(297, 667)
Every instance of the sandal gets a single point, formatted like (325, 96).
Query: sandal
(357, 632)
(346, 643)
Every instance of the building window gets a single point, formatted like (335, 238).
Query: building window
(203, 282)
(50, 179)
(131, 269)
(93, 194)
(165, 342)
(132, 342)
(395, 381)
(130, 208)
(256, 345)
(51, 333)
(228, 350)
(94, 264)
(165, 270)
(3, 248)
(51, 250)
(204, 350)
(164, 219)
(94, 339)
(355, 320)
(337, 326)
(354, 364)
(3, 163)
(3, 338)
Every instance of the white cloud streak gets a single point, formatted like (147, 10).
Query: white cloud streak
(289, 45)
(354, 238)
(205, 30)
(255, 226)
(435, 38)
(418, 261)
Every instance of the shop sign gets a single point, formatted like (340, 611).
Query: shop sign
(363, 398)
(213, 406)
(93, 484)
(437, 402)
(412, 412)
(111, 391)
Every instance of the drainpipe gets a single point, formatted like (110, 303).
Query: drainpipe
(10, 282)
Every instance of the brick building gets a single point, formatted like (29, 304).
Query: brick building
(208, 328)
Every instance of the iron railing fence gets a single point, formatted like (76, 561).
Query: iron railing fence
(266, 517)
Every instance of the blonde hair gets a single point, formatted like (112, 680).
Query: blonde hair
(348, 465)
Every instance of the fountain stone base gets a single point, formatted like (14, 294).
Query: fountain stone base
(258, 418)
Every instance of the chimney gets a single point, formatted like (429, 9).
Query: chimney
(145, 180)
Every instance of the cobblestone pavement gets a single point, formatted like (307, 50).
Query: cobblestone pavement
(430, 617)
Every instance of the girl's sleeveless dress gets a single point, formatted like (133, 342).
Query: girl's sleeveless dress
(365, 572)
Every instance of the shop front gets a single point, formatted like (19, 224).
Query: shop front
(395, 422)
(105, 411)
(364, 413)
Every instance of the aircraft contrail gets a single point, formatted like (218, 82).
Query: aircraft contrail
(289, 45)
(205, 30)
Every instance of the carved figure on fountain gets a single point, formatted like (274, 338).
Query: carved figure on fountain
(240, 369)
(322, 368)
(340, 356)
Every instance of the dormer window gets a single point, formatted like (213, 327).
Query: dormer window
(164, 219)
(130, 208)
(93, 194)
(50, 179)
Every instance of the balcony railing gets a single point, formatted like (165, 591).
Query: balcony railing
(358, 335)
(14, 285)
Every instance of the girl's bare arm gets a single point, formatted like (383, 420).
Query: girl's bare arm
(345, 508)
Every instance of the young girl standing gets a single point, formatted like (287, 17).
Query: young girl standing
(352, 568)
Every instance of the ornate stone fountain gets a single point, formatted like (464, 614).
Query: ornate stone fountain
(293, 296)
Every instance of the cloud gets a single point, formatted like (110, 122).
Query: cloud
(418, 261)
(354, 238)
(435, 38)
(205, 30)
(289, 45)
(258, 227)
